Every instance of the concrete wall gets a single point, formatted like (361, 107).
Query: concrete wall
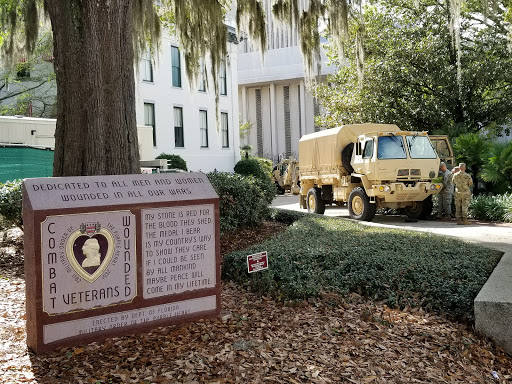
(165, 97)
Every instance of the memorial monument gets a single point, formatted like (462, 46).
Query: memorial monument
(114, 255)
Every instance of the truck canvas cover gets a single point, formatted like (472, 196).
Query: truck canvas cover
(320, 150)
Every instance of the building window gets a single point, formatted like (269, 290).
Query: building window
(179, 140)
(224, 129)
(147, 72)
(176, 67)
(202, 77)
(203, 128)
(149, 118)
(223, 79)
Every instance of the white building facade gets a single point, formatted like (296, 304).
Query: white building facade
(183, 115)
(272, 92)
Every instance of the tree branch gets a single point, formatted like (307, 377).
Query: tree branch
(21, 92)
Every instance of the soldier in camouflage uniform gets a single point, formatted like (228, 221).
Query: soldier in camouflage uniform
(462, 182)
(444, 199)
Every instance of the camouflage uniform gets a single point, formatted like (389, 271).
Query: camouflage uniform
(462, 182)
(444, 200)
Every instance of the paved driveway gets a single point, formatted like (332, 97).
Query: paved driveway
(493, 235)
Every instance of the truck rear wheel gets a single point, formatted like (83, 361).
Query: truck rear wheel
(359, 205)
(315, 202)
(280, 190)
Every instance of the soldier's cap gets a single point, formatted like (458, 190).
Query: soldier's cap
(462, 165)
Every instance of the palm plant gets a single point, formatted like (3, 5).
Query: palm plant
(472, 149)
(497, 170)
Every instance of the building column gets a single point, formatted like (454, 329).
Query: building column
(303, 109)
(244, 112)
(273, 123)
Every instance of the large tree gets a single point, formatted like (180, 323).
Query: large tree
(418, 74)
(96, 43)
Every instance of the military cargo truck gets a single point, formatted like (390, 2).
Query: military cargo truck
(368, 166)
(286, 176)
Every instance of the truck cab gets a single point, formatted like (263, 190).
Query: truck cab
(444, 150)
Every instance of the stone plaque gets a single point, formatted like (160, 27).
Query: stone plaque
(95, 254)
(115, 255)
(141, 316)
(177, 250)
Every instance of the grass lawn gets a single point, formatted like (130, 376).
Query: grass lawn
(319, 254)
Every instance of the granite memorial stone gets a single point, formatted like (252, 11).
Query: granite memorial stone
(114, 255)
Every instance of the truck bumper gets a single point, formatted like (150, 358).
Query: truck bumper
(401, 192)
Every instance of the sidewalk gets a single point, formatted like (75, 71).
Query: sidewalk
(493, 305)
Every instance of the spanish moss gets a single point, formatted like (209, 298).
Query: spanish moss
(250, 16)
(146, 27)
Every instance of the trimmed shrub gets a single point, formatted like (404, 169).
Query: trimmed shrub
(11, 203)
(174, 161)
(320, 254)
(492, 208)
(285, 216)
(243, 200)
(251, 167)
(266, 165)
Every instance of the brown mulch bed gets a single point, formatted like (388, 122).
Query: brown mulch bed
(245, 237)
(257, 340)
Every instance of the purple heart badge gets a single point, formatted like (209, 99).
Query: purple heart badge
(89, 250)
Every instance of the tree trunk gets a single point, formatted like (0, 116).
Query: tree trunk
(94, 64)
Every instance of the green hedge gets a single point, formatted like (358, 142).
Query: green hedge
(492, 208)
(319, 254)
(11, 203)
(243, 200)
(250, 167)
(174, 161)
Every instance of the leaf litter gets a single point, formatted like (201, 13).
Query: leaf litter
(257, 340)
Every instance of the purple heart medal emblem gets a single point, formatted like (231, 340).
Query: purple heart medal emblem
(89, 250)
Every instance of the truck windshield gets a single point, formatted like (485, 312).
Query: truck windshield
(420, 147)
(391, 147)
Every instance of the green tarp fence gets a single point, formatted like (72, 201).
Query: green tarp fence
(21, 162)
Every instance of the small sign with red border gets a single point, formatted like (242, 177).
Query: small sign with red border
(257, 262)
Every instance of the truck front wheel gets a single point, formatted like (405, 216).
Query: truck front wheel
(420, 209)
(315, 202)
(359, 205)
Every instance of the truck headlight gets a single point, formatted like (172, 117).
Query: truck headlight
(432, 187)
(387, 188)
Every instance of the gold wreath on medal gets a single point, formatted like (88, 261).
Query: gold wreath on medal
(89, 250)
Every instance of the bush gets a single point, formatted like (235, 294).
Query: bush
(174, 161)
(11, 203)
(243, 200)
(320, 254)
(266, 165)
(251, 167)
(285, 216)
(492, 208)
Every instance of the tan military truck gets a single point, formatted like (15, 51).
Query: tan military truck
(286, 176)
(368, 166)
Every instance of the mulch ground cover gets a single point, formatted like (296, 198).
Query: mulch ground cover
(257, 340)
